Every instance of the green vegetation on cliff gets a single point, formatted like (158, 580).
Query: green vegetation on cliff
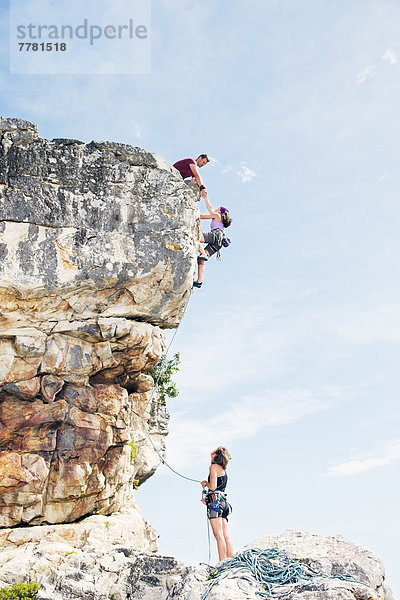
(162, 375)
(19, 591)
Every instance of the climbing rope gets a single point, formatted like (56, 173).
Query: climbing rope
(208, 539)
(152, 394)
(162, 459)
(272, 568)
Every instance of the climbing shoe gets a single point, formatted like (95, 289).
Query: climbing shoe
(197, 284)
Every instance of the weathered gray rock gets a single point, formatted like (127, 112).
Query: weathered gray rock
(103, 350)
(88, 230)
(99, 559)
(327, 555)
(70, 560)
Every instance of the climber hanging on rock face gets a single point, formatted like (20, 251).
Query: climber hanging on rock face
(188, 167)
(214, 239)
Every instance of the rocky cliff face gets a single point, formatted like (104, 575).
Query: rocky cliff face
(91, 230)
(97, 253)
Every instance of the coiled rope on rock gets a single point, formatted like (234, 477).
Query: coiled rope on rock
(272, 568)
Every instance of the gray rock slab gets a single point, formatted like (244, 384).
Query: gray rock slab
(96, 562)
(81, 219)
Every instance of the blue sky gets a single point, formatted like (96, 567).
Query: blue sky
(290, 350)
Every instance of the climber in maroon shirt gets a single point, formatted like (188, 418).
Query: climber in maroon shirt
(188, 167)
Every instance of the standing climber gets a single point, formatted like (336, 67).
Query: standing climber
(188, 167)
(218, 507)
(214, 239)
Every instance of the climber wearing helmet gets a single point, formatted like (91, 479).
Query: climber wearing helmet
(214, 239)
(218, 507)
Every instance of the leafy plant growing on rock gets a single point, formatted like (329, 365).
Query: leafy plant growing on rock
(162, 375)
(134, 451)
(19, 591)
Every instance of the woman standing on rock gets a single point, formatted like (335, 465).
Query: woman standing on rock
(218, 507)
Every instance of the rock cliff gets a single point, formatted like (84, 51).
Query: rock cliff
(91, 230)
(97, 253)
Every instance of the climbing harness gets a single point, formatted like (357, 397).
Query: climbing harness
(217, 503)
(272, 568)
(214, 499)
(221, 240)
(225, 241)
(219, 236)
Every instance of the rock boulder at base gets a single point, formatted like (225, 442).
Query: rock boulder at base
(329, 556)
(97, 559)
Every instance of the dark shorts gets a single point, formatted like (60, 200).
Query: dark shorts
(213, 241)
(217, 506)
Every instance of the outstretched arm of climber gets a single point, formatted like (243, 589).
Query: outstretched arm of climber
(196, 175)
(210, 208)
(212, 214)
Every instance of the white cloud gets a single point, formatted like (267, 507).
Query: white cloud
(259, 334)
(366, 462)
(136, 129)
(378, 323)
(242, 171)
(390, 57)
(189, 440)
(214, 162)
(366, 73)
(245, 174)
(267, 340)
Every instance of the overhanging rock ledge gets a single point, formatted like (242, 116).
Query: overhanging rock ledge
(88, 230)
